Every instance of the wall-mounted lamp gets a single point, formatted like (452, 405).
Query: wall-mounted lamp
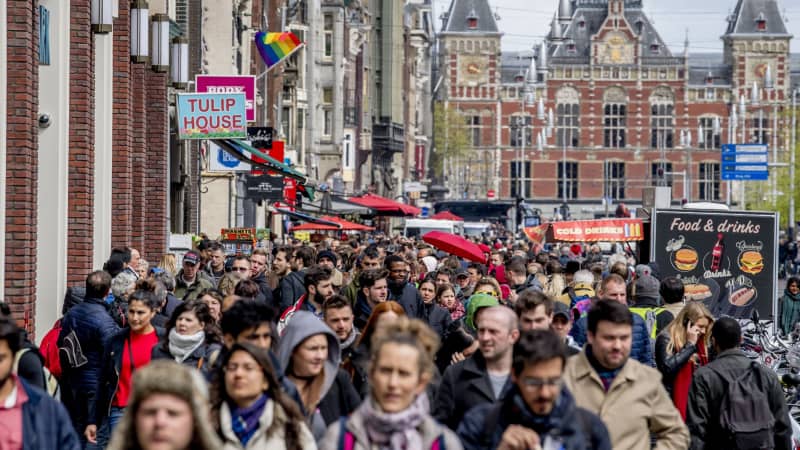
(159, 42)
(179, 73)
(140, 31)
(102, 16)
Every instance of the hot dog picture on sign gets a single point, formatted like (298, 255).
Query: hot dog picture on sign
(725, 260)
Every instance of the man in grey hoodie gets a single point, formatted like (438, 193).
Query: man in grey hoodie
(309, 353)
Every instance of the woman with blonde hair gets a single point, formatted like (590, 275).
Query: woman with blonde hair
(683, 347)
(395, 415)
(167, 409)
(169, 263)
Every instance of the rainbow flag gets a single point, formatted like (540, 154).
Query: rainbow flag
(275, 47)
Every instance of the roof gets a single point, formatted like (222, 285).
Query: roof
(747, 12)
(588, 17)
(461, 10)
(513, 64)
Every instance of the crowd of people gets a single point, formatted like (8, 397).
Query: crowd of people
(385, 344)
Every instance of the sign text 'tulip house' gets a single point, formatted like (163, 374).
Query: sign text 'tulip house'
(212, 116)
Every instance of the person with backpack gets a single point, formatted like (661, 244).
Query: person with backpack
(538, 411)
(733, 393)
(646, 305)
(681, 349)
(395, 415)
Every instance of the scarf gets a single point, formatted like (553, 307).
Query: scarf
(790, 311)
(457, 311)
(180, 346)
(606, 375)
(245, 421)
(345, 344)
(683, 379)
(395, 431)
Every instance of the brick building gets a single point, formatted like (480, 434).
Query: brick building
(602, 108)
(83, 151)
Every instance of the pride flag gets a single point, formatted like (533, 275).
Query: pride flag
(275, 47)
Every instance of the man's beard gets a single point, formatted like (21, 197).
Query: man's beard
(396, 285)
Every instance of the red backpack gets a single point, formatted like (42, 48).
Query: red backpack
(49, 350)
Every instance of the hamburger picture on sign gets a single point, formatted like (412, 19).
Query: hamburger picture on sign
(725, 260)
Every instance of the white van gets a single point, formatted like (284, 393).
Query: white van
(419, 227)
(477, 229)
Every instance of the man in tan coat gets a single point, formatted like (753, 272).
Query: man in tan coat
(626, 394)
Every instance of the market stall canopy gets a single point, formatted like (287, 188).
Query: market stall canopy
(337, 205)
(600, 230)
(384, 206)
(343, 225)
(456, 245)
(240, 150)
(446, 215)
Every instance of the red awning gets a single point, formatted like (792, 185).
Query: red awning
(344, 225)
(446, 215)
(385, 206)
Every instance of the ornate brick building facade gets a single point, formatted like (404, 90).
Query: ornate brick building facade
(602, 108)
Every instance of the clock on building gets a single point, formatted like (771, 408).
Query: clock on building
(472, 70)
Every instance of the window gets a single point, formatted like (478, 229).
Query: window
(327, 32)
(614, 180)
(660, 172)
(474, 124)
(709, 180)
(662, 118)
(710, 94)
(521, 125)
(522, 168)
(327, 111)
(570, 182)
(567, 124)
(760, 131)
(710, 140)
(44, 36)
(614, 115)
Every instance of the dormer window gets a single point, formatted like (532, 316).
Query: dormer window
(472, 20)
(520, 77)
(571, 48)
(581, 23)
(709, 78)
(639, 26)
(761, 22)
(655, 49)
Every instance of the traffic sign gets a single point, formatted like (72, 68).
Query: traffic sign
(745, 162)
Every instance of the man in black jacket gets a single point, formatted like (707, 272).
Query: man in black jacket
(710, 387)
(258, 268)
(85, 331)
(400, 290)
(538, 411)
(292, 286)
(485, 376)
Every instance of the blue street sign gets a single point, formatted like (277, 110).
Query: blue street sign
(744, 162)
(425, 212)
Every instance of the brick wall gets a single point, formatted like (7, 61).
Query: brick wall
(139, 151)
(155, 176)
(122, 134)
(81, 144)
(21, 159)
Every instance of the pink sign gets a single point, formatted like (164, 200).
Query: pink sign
(230, 84)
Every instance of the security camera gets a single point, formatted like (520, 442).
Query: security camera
(44, 120)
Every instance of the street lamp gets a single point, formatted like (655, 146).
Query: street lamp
(159, 43)
(179, 73)
(102, 16)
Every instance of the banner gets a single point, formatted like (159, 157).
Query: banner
(275, 47)
(536, 234)
(606, 230)
(230, 84)
(726, 259)
(211, 116)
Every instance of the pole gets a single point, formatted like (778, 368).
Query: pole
(563, 165)
(791, 165)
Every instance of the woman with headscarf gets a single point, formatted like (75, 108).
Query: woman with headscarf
(790, 305)
(396, 414)
(309, 355)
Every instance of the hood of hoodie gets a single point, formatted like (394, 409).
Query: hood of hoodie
(302, 326)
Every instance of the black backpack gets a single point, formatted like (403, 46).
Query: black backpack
(745, 413)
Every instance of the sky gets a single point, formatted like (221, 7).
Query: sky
(526, 22)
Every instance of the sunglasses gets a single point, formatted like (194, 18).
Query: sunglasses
(240, 269)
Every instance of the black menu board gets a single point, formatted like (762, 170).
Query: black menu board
(726, 259)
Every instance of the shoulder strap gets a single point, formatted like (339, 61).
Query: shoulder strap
(17, 358)
(439, 444)
(346, 439)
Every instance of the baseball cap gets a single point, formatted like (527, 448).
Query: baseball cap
(560, 309)
(191, 257)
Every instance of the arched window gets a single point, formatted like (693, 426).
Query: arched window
(614, 115)
(567, 118)
(662, 118)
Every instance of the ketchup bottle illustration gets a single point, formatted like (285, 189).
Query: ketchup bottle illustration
(716, 254)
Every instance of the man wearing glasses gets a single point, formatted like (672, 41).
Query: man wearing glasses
(400, 289)
(241, 265)
(538, 411)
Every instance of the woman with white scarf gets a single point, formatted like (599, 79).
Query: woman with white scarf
(191, 338)
(396, 414)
